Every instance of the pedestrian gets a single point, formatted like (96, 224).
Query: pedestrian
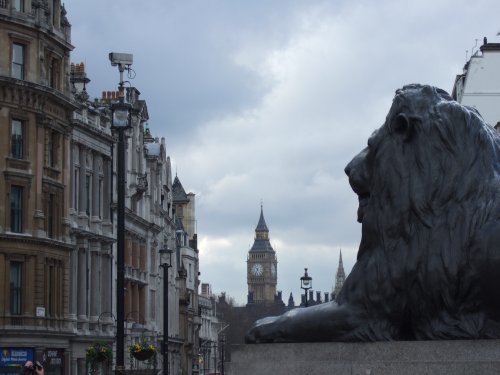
(31, 368)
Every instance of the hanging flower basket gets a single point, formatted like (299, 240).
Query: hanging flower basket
(98, 352)
(142, 351)
(144, 355)
(100, 357)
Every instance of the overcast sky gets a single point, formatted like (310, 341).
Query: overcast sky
(268, 101)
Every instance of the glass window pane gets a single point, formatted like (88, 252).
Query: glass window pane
(18, 61)
(18, 53)
(17, 71)
(17, 139)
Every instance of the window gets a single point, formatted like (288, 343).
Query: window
(53, 72)
(19, 5)
(55, 9)
(52, 143)
(152, 268)
(18, 60)
(16, 205)
(15, 287)
(16, 139)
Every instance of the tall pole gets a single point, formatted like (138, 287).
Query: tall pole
(216, 347)
(222, 355)
(120, 242)
(165, 266)
(120, 121)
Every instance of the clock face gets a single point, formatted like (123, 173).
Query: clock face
(273, 269)
(257, 269)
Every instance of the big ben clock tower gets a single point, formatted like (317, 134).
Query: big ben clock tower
(262, 264)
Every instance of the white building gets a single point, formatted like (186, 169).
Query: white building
(211, 325)
(479, 84)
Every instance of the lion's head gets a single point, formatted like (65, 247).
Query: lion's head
(423, 168)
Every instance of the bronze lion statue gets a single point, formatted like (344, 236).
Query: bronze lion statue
(428, 265)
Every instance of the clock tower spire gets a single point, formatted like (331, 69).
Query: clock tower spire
(262, 266)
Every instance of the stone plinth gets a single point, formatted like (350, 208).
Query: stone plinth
(481, 357)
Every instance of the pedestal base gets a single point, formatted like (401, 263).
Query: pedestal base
(481, 357)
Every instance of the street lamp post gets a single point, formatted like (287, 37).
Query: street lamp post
(222, 355)
(166, 264)
(120, 122)
(306, 283)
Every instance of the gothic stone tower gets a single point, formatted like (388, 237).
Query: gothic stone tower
(340, 278)
(262, 266)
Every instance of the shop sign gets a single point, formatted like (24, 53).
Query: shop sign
(53, 357)
(15, 357)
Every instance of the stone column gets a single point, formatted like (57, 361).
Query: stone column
(74, 366)
(106, 189)
(142, 257)
(97, 167)
(30, 280)
(82, 366)
(82, 284)
(73, 269)
(135, 254)
(128, 297)
(135, 303)
(128, 252)
(142, 290)
(95, 289)
(38, 162)
(105, 280)
(82, 203)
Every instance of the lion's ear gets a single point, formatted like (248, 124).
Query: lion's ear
(402, 127)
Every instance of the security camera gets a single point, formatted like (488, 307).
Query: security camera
(121, 59)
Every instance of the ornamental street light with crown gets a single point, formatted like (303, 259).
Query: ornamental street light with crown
(166, 259)
(306, 283)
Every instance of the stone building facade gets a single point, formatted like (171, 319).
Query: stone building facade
(58, 215)
(35, 125)
(187, 276)
(149, 227)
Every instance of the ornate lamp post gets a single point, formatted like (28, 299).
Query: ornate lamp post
(306, 283)
(120, 122)
(166, 259)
